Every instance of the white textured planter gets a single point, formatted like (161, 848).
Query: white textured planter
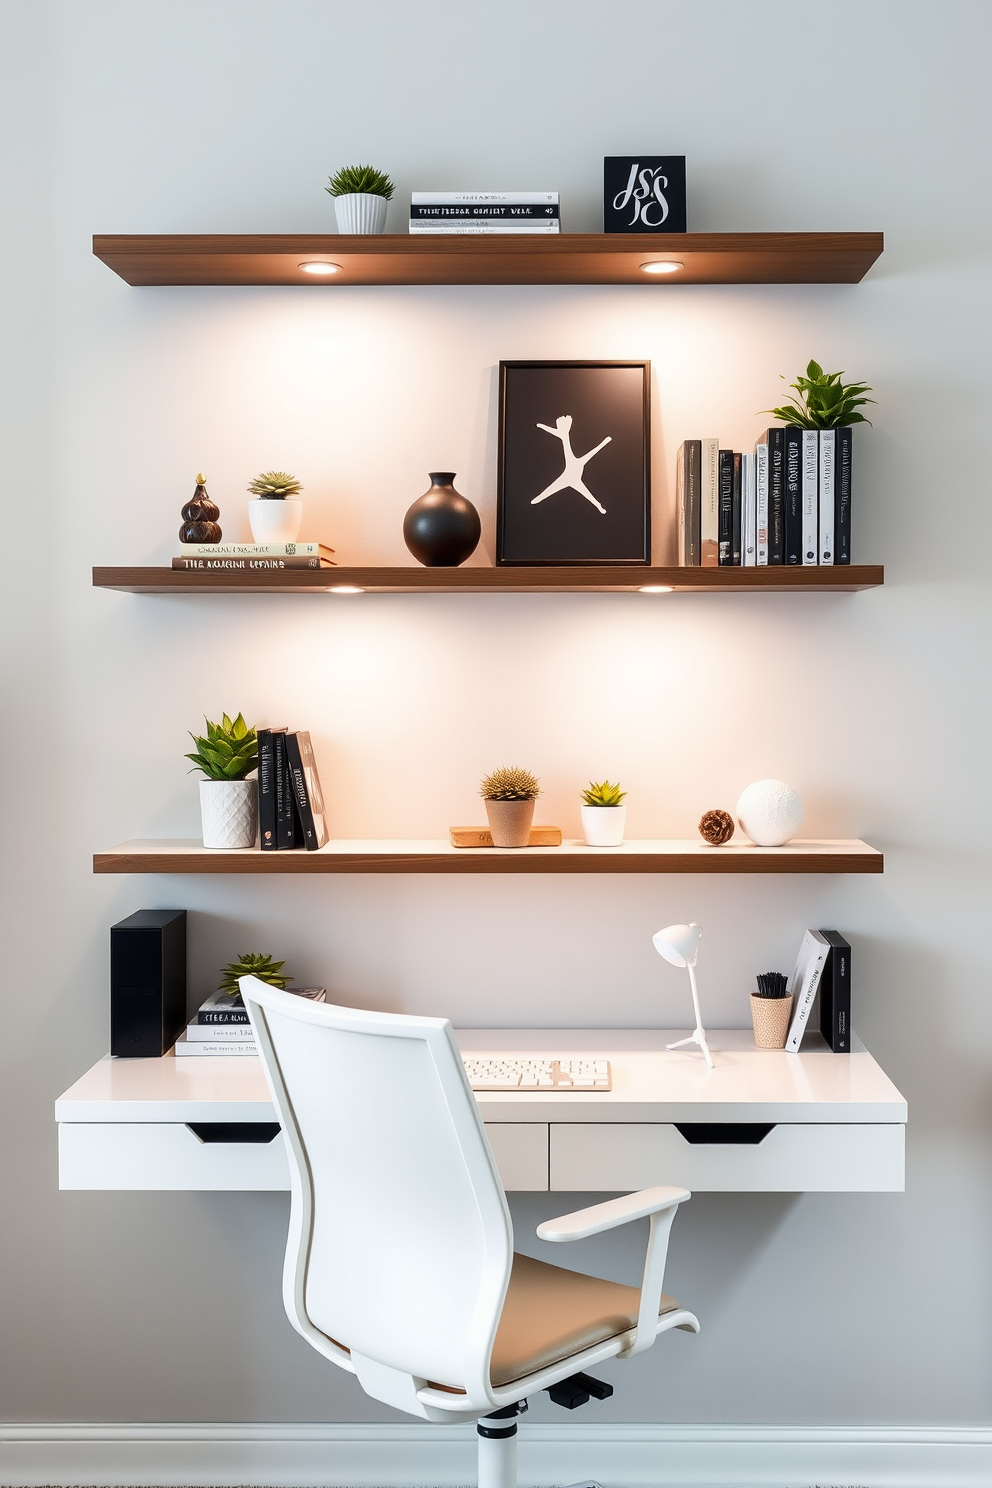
(770, 813)
(229, 812)
(360, 212)
(275, 521)
(603, 825)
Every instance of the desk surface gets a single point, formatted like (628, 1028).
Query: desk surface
(650, 1083)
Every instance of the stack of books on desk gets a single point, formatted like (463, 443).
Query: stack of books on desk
(484, 212)
(221, 1027)
(254, 557)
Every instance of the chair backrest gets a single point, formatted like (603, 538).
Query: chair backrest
(402, 1236)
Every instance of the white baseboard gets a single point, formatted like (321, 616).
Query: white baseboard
(424, 1456)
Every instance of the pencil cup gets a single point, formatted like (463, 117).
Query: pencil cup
(770, 1016)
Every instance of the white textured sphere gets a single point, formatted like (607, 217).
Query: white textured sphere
(770, 812)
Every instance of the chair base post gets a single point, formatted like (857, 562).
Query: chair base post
(498, 1447)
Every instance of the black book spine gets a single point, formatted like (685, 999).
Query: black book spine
(835, 994)
(266, 792)
(301, 799)
(285, 833)
(725, 507)
(843, 460)
(776, 496)
(484, 212)
(222, 1015)
(792, 463)
(736, 509)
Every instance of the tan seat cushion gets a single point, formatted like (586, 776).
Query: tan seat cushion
(550, 1313)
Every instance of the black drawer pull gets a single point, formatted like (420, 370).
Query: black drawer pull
(724, 1134)
(235, 1131)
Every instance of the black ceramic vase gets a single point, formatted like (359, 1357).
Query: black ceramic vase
(442, 529)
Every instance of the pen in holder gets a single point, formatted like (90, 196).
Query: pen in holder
(771, 1006)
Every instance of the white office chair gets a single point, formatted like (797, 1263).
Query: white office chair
(400, 1263)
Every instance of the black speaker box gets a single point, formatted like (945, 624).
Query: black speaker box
(147, 983)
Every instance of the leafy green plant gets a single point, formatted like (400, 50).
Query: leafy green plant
(229, 751)
(274, 485)
(827, 403)
(510, 784)
(252, 963)
(603, 794)
(363, 178)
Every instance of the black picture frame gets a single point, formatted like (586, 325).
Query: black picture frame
(542, 522)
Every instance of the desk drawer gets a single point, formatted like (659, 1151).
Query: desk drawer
(165, 1155)
(521, 1153)
(796, 1158)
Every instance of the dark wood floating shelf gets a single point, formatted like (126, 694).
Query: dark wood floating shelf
(418, 580)
(662, 856)
(567, 258)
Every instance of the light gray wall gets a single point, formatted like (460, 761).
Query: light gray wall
(184, 116)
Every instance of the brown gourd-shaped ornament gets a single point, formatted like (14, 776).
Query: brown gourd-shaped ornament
(200, 516)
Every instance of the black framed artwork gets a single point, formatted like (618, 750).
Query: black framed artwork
(574, 463)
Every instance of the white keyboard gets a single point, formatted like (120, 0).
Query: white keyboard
(539, 1074)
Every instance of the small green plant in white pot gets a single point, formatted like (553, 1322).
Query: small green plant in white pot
(228, 801)
(510, 795)
(256, 964)
(275, 516)
(604, 815)
(360, 195)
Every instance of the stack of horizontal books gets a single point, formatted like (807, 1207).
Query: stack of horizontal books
(221, 1027)
(252, 557)
(484, 212)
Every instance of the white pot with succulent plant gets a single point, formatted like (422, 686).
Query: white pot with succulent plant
(228, 802)
(510, 795)
(275, 516)
(360, 195)
(604, 817)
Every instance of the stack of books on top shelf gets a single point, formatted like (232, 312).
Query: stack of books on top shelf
(290, 801)
(221, 1027)
(250, 557)
(787, 503)
(484, 212)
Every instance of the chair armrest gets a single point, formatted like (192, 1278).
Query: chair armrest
(613, 1212)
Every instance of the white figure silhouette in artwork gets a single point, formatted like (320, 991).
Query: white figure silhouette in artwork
(571, 476)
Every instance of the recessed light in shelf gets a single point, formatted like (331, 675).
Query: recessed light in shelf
(320, 266)
(655, 589)
(662, 266)
(346, 589)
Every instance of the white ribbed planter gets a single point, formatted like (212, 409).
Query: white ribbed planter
(360, 212)
(274, 521)
(229, 813)
(603, 825)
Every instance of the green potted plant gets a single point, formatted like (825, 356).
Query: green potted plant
(275, 516)
(251, 963)
(510, 795)
(824, 401)
(228, 801)
(360, 195)
(604, 815)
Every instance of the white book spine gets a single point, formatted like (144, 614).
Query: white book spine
(215, 1051)
(805, 980)
(761, 505)
(460, 227)
(498, 198)
(828, 443)
(749, 553)
(252, 550)
(220, 1033)
(709, 504)
(810, 479)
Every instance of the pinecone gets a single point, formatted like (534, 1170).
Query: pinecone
(200, 517)
(716, 827)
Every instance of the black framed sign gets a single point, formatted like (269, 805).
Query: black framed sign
(574, 463)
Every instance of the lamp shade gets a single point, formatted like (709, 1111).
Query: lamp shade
(678, 943)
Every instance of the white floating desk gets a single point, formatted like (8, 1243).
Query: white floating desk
(761, 1121)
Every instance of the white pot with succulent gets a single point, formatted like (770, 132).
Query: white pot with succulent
(275, 516)
(228, 802)
(360, 195)
(510, 795)
(604, 817)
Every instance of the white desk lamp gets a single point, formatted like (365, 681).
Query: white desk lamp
(679, 945)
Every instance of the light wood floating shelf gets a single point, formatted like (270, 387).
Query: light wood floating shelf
(415, 580)
(566, 258)
(166, 855)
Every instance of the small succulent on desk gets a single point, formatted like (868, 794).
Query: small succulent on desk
(252, 963)
(360, 179)
(827, 403)
(228, 752)
(510, 784)
(274, 485)
(603, 794)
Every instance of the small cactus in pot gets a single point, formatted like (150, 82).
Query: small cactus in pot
(510, 795)
(604, 816)
(275, 515)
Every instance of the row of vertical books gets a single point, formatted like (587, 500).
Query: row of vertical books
(788, 502)
(290, 801)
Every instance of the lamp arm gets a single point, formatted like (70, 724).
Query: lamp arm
(699, 1033)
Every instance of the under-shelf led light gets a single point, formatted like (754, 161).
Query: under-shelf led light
(346, 589)
(655, 589)
(662, 266)
(320, 266)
